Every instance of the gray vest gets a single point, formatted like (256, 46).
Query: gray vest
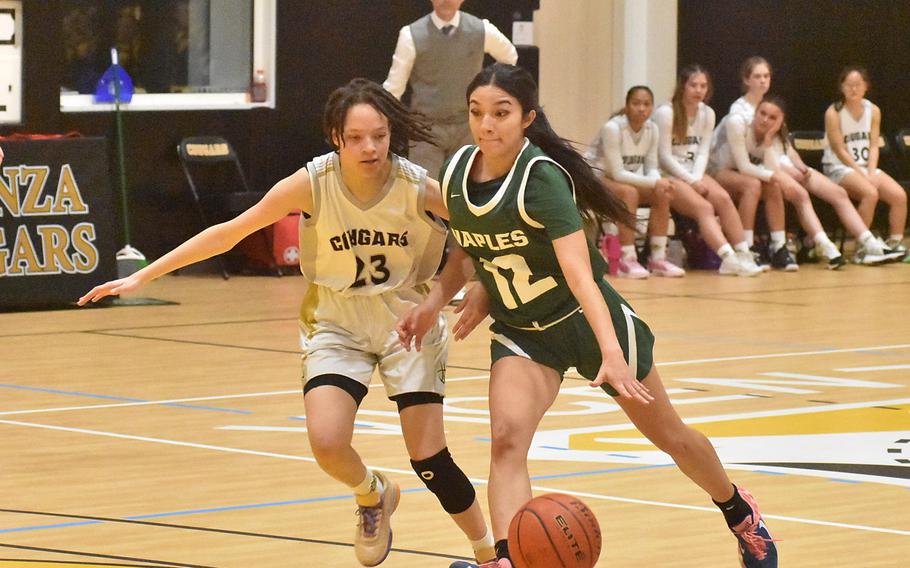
(444, 66)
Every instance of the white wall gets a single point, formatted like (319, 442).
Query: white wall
(592, 51)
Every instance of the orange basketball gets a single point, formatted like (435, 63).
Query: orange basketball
(554, 530)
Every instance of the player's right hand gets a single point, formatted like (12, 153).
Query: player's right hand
(414, 324)
(113, 288)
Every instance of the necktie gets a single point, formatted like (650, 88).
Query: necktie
(446, 30)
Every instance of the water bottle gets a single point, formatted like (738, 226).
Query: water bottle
(258, 91)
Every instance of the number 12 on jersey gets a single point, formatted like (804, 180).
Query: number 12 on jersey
(520, 280)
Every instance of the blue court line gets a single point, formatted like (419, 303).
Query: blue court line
(124, 398)
(291, 502)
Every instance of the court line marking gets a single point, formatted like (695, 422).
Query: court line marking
(473, 480)
(876, 368)
(150, 403)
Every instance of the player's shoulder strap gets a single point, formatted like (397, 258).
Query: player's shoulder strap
(450, 169)
(522, 209)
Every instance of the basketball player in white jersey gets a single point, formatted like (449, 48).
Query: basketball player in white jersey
(625, 150)
(853, 127)
(754, 149)
(685, 128)
(370, 239)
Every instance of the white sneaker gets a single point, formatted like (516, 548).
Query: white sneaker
(631, 269)
(871, 255)
(747, 260)
(733, 266)
(664, 267)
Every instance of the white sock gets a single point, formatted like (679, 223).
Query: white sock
(628, 252)
(866, 239)
(749, 234)
(659, 248)
(725, 250)
(824, 243)
(742, 247)
(483, 543)
(369, 484)
(778, 240)
(895, 239)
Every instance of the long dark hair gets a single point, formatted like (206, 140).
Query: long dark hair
(404, 124)
(595, 202)
(680, 120)
(841, 100)
(784, 132)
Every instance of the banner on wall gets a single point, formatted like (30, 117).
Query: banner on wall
(57, 223)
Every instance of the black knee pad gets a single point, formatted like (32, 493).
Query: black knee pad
(446, 480)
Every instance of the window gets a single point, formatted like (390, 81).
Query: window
(180, 54)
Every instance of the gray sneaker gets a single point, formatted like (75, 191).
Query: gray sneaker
(373, 539)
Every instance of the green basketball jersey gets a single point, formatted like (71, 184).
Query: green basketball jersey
(507, 227)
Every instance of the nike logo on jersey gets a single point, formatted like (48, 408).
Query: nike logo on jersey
(498, 241)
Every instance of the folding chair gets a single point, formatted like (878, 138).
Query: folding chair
(224, 192)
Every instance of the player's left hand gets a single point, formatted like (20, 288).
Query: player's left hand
(474, 307)
(615, 372)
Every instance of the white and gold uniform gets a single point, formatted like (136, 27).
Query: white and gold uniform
(367, 263)
(856, 135)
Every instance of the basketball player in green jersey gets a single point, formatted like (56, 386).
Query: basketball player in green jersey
(516, 201)
(368, 248)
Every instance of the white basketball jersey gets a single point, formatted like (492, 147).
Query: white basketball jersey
(685, 151)
(635, 145)
(856, 136)
(722, 152)
(357, 248)
(743, 107)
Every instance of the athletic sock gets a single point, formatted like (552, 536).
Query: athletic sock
(659, 248)
(725, 250)
(749, 234)
(827, 247)
(895, 240)
(371, 486)
(778, 240)
(484, 547)
(502, 549)
(628, 252)
(742, 247)
(735, 509)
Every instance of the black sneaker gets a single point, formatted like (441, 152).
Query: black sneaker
(760, 259)
(836, 262)
(807, 255)
(783, 260)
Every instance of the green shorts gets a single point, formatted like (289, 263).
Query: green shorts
(572, 343)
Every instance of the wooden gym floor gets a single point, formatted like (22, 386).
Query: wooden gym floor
(174, 435)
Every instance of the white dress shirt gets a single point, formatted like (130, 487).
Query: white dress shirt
(495, 43)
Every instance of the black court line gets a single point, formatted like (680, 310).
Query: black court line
(221, 531)
(142, 327)
(79, 562)
(189, 342)
(156, 563)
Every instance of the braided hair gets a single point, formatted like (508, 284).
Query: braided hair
(404, 124)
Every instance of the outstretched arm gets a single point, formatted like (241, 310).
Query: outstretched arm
(291, 193)
(572, 253)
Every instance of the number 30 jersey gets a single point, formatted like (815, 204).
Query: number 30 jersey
(368, 248)
(507, 227)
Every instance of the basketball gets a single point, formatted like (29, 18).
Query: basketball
(554, 530)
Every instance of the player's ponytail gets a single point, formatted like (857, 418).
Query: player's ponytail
(594, 200)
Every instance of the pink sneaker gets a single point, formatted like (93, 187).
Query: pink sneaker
(631, 269)
(756, 546)
(665, 268)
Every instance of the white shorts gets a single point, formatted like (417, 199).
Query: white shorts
(837, 172)
(355, 335)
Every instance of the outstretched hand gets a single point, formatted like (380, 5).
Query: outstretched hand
(113, 288)
(615, 372)
(474, 307)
